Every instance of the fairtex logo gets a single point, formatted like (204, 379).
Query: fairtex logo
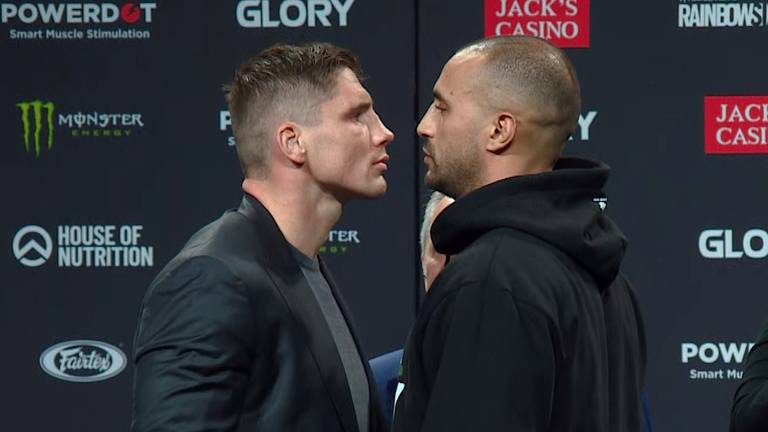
(293, 13)
(735, 124)
(39, 120)
(721, 13)
(565, 23)
(83, 361)
(38, 21)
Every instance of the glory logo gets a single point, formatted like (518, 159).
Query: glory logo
(293, 13)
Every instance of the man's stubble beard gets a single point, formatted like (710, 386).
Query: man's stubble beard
(455, 176)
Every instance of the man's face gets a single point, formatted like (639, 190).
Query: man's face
(452, 126)
(346, 151)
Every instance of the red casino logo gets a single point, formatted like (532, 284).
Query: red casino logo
(735, 124)
(565, 23)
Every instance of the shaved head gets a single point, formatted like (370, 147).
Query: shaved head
(529, 77)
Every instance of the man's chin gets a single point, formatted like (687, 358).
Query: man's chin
(379, 191)
(371, 193)
(430, 180)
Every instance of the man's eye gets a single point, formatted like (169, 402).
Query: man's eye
(440, 107)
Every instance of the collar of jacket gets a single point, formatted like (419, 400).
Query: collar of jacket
(272, 249)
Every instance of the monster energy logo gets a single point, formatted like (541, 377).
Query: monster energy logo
(37, 111)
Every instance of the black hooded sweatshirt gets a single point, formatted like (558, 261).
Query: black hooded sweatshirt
(530, 326)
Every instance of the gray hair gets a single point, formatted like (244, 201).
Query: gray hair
(429, 214)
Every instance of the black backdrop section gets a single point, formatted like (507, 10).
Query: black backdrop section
(116, 148)
(645, 80)
(174, 173)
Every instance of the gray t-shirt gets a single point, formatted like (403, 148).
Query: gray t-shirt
(350, 358)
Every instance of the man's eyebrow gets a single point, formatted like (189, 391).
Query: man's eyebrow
(361, 106)
(438, 95)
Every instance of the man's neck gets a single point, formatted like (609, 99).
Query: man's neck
(304, 213)
(500, 168)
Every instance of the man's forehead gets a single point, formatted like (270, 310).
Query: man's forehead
(349, 92)
(347, 82)
(459, 75)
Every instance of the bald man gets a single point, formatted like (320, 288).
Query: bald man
(530, 326)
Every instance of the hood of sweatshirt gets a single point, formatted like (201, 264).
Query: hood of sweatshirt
(563, 207)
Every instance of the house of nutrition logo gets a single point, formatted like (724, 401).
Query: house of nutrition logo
(565, 23)
(84, 246)
(32, 246)
(39, 120)
(37, 117)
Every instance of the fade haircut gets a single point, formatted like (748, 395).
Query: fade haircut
(282, 82)
(533, 73)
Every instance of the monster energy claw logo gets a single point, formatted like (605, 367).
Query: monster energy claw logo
(37, 111)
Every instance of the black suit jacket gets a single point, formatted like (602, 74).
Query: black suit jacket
(750, 403)
(231, 338)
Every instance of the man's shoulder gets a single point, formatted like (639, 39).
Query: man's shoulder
(229, 234)
(520, 265)
(512, 248)
(227, 249)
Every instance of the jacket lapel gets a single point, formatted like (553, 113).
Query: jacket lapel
(287, 276)
(376, 419)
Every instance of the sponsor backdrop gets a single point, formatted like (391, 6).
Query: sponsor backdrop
(117, 146)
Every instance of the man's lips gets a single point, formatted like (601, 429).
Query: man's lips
(426, 154)
(381, 162)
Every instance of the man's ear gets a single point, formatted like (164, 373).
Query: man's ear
(502, 132)
(289, 142)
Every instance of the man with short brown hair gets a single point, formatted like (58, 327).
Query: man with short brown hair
(244, 329)
(530, 326)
